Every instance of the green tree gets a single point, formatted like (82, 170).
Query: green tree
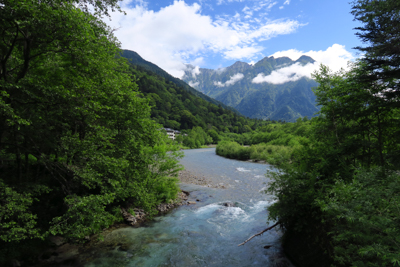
(381, 33)
(214, 135)
(353, 147)
(357, 120)
(77, 140)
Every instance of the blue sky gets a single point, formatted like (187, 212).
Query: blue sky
(216, 34)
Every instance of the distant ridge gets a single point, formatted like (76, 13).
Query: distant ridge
(233, 86)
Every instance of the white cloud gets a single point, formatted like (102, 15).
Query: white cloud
(197, 61)
(335, 57)
(193, 84)
(287, 2)
(220, 70)
(220, 2)
(274, 29)
(287, 74)
(235, 78)
(179, 32)
(272, 4)
(195, 71)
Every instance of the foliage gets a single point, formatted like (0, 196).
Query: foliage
(276, 143)
(356, 118)
(232, 150)
(381, 33)
(77, 140)
(273, 154)
(366, 215)
(196, 138)
(18, 222)
(340, 192)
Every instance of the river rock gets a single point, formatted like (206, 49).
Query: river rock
(129, 218)
(123, 247)
(191, 202)
(229, 204)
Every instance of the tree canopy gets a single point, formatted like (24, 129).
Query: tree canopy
(76, 138)
(338, 201)
(381, 34)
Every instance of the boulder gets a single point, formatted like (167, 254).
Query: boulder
(129, 218)
(228, 204)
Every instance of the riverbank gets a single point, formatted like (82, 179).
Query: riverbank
(191, 178)
(66, 254)
(182, 147)
(62, 253)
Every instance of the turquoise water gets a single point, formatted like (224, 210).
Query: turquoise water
(207, 233)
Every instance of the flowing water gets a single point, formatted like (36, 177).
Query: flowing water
(206, 233)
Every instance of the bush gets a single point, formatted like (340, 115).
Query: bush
(366, 215)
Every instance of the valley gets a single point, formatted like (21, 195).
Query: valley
(305, 145)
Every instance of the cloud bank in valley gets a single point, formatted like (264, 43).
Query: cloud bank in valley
(233, 79)
(335, 57)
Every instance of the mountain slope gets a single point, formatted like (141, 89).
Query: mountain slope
(234, 87)
(174, 106)
(135, 59)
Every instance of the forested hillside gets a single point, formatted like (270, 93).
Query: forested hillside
(235, 87)
(175, 107)
(135, 59)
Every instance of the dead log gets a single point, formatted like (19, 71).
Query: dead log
(260, 233)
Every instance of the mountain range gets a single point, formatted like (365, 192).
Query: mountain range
(237, 87)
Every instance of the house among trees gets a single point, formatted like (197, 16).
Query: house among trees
(172, 133)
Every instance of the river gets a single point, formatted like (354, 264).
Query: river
(206, 233)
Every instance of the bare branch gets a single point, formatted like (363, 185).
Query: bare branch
(260, 233)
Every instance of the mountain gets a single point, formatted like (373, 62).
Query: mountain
(135, 59)
(176, 105)
(235, 87)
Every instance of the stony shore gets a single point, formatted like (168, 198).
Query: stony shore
(184, 176)
(191, 178)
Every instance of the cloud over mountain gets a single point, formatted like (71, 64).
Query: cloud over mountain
(179, 33)
(287, 74)
(335, 57)
(233, 79)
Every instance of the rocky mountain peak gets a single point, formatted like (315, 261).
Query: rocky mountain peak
(305, 59)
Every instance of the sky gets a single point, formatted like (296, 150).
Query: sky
(216, 33)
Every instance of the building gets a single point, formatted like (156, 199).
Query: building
(172, 134)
